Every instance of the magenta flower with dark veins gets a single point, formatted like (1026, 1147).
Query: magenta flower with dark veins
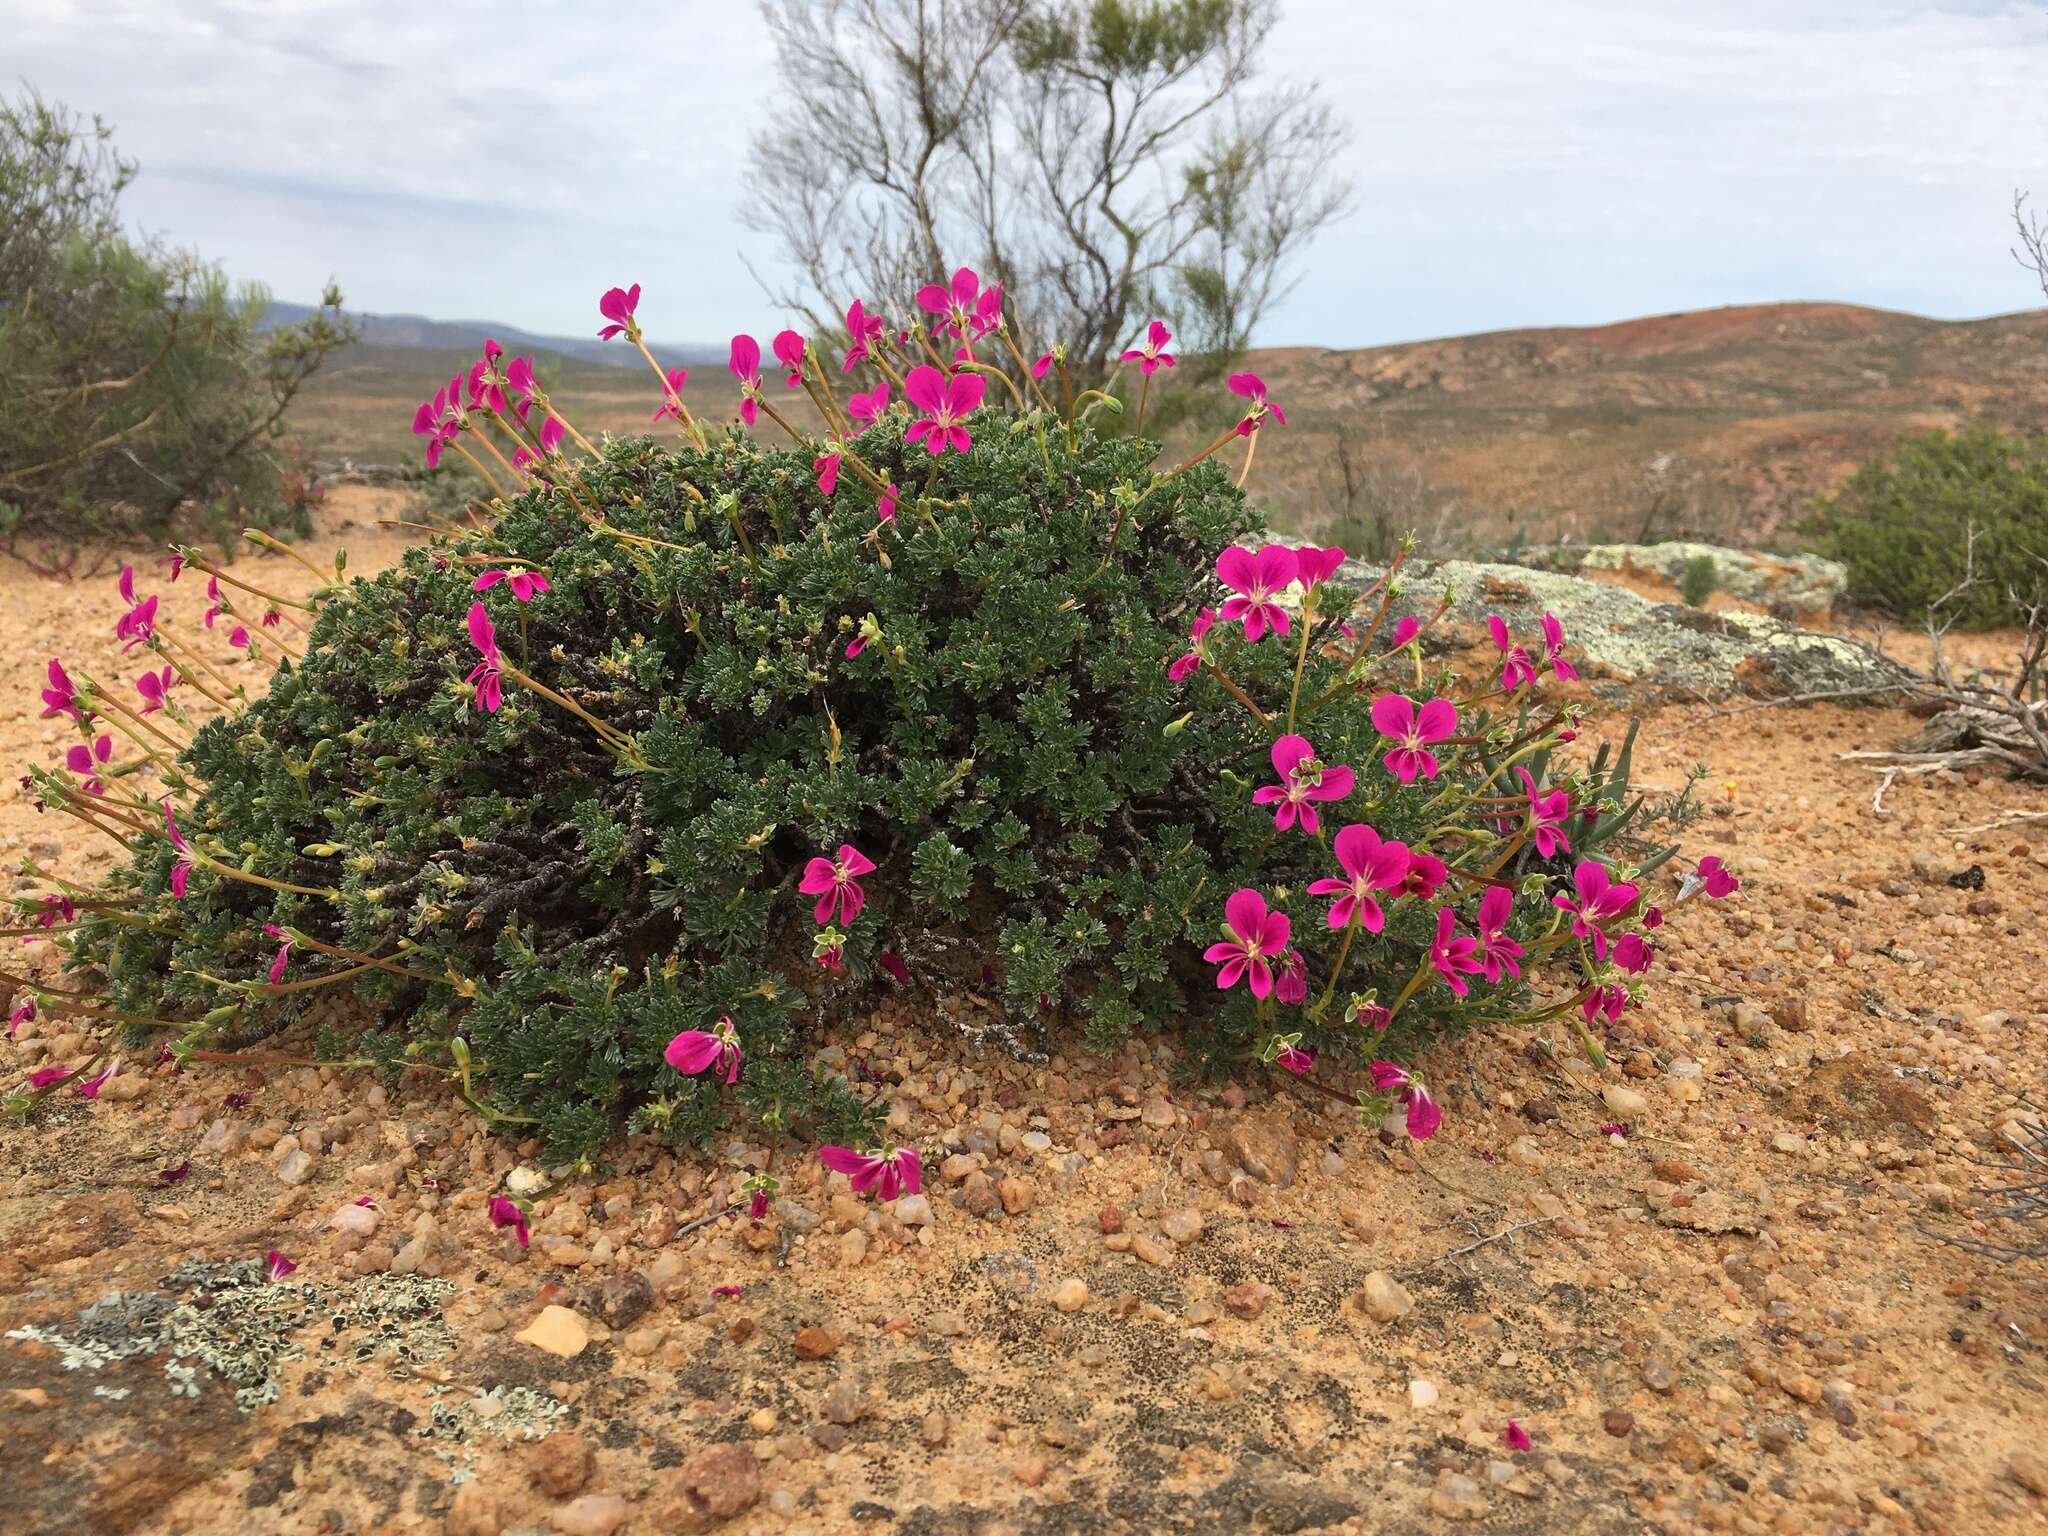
(89, 1088)
(87, 762)
(1425, 1116)
(1314, 565)
(962, 308)
(24, 1013)
(521, 584)
(1296, 1060)
(1609, 1000)
(1413, 731)
(745, 363)
(617, 306)
(155, 688)
(1290, 981)
(865, 329)
(42, 1077)
(1515, 1437)
(1253, 388)
(1516, 668)
(484, 676)
(885, 507)
(1715, 877)
(283, 956)
(1153, 356)
(1454, 955)
(1255, 936)
(277, 1266)
(504, 1212)
(61, 697)
(835, 882)
(1600, 899)
(1258, 578)
(868, 408)
(1407, 629)
(1498, 953)
(826, 467)
(1547, 817)
(698, 1050)
(1303, 782)
(672, 394)
(138, 625)
(1632, 953)
(1184, 666)
(789, 351)
(1553, 649)
(946, 403)
(1370, 865)
(181, 870)
(884, 1174)
(1425, 874)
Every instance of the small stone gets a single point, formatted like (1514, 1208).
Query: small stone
(359, 1219)
(1035, 1142)
(1183, 1226)
(814, 1343)
(1624, 1102)
(1786, 1141)
(1676, 1173)
(933, 1428)
(558, 1331)
(763, 1421)
(1109, 1219)
(1265, 1148)
(561, 1464)
(913, 1211)
(1658, 1375)
(1072, 1295)
(1385, 1298)
(853, 1247)
(595, 1514)
(847, 1402)
(721, 1481)
(295, 1167)
(1618, 1422)
(1030, 1470)
(957, 1167)
(624, 1299)
(978, 1194)
(474, 1512)
(526, 1181)
(1422, 1394)
(1456, 1496)
(1151, 1249)
(1017, 1195)
(1157, 1113)
(1248, 1298)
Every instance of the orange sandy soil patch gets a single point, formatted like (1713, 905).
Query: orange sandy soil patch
(1128, 1300)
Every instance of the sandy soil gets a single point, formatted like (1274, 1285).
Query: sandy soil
(1132, 1301)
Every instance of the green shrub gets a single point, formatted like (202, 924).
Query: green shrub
(137, 387)
(1904, 526)
(734, 667)
(1699, 578)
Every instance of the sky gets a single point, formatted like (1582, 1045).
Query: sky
(1516, 164)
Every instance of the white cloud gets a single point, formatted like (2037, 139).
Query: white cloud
(1517, 165)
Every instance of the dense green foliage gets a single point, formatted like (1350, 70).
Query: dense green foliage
(1904, 527)
(1697, 581)
(137, 385)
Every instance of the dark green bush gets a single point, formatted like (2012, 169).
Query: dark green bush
(1903, 526)
(1699, 578)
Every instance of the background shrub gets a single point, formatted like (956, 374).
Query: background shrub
(1698, 579)
(1902, 526)
(136, 384)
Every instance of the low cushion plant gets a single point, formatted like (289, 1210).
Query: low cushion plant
(690, 743)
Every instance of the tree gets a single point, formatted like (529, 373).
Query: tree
(137, 385)
(1106, 160)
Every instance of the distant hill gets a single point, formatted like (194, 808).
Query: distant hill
(468, 336)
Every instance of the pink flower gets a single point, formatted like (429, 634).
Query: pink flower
(485, 674)
(1313, 566)
(1296, 1060)
(1372, 866)
(551, 434)
(1303, 781)
(672, 395)
(945, 403)
(1253, 388)
(277, 1266)
(90, 1087)
(1413, 731)
(694, 1050)
(55, 908)
(826, 466)
(1633, 954)
(884, 1174)
(963, 308)
(828, 952)
(174, 1173)
(1290, 985)
(155, 688)
(1454, 955)
(522, 584)
(745, 364)
(519, 378)
(504, 1212)
(1600, 899)
(138, 624)
(1497, 952)
(833, 881)
(1257, 578)
(1654, 918)
(1515, 1437)
(87, 762)
(1407, 629)
(617, 306)
(1183, 667)
(1041, 366)
(865, 329)
(789, 351)
(885, 507)
(42, 1077)
(1609, 1000)
(1547, 817)
(1395, 1081)
(868, 408)
(1553, 649)
(1615, 1129)
(172, 564)
(892, 962)
(24, 1013)
(1255, 934)
(61, 698)
(238, 637)
(856, 645)
(1424, 875)
(1151, 357)
(1516, 668)
(283, 957)
(1714, 876)
(181, 870)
